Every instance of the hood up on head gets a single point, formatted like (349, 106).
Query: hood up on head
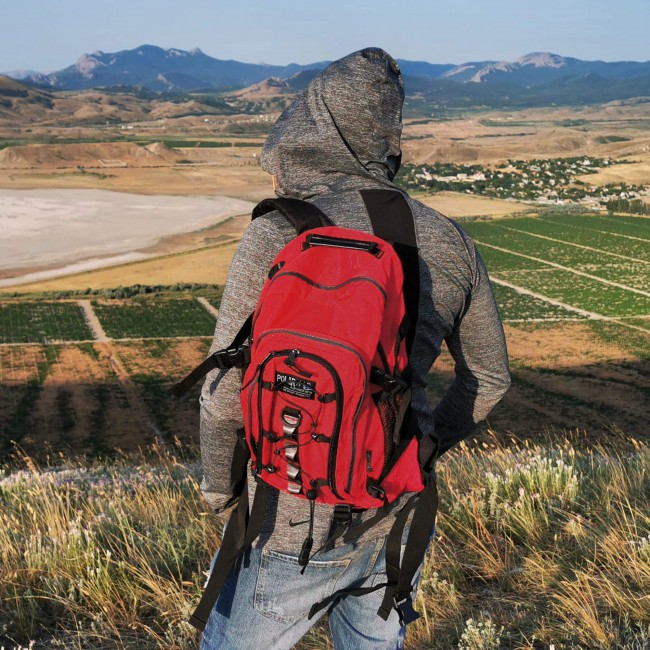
(345, 125)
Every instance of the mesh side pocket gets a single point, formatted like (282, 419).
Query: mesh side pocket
(389, 407)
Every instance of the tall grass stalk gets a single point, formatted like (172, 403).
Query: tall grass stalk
(538, 544)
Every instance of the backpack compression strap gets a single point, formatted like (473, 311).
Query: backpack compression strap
(236, 355)
(399, 574)
(302, 215)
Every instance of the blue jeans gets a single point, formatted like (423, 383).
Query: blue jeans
(265, 604)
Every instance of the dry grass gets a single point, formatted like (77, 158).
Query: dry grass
(538, 545)
(455, 204)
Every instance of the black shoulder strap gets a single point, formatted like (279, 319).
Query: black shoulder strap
(392, 220)
(302, 215)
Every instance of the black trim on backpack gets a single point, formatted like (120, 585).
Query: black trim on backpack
(302, 215)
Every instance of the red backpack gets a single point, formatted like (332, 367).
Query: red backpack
(326, 391)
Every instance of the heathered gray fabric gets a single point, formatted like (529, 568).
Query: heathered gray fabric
(342, 135)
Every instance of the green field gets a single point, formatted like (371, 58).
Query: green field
(597, 264)
(154, 318)
(518, 306)
(42, 322)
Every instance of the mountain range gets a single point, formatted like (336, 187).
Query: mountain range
(534, 79)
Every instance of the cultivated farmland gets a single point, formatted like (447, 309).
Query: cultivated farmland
(42, 322)
(152, 318)
(559, 259)
(106, 389)
(572, 290)
(574, 293)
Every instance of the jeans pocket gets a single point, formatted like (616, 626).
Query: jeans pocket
(283, 594)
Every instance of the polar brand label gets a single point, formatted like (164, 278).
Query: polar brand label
(295, 386)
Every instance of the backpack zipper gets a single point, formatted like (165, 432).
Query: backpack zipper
(332, 287)
(334, 445)
(325, 287)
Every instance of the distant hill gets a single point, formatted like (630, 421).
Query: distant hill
(21, 105)
(539, 78)
(541, 67)
(15, 96)
(161, 69)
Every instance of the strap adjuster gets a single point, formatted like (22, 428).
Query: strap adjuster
(404, 609)
(342, 513)
(376, 491)
(392, 384)
(232, 357)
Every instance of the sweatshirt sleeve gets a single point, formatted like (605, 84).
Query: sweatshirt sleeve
(220, 410)
(478, 347)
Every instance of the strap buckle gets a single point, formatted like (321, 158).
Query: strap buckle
(376, 491)
(233, 357)
(390, 383)
(342, 514)
(404, 609)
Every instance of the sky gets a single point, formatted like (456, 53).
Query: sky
(47, 35)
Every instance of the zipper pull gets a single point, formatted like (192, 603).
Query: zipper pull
(305, 551)
(291, 359)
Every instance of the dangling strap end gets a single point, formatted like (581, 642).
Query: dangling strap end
(197, 623)
(405, 611)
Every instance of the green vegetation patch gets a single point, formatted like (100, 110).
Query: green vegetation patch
(578, 232)
(517, 306)
(606, 139)
(42, 322)
(513, 238)
(578, 291)
(640, 322)
(616, 225)
(636, 206)
(632, 340)
(174, 290)
(154, 318)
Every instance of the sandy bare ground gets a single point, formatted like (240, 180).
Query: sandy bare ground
(93, 322)
(204, 256)
(59, 227)
(565, 377)
(454, 204)
(208, 307)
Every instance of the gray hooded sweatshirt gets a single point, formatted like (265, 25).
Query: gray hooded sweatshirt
(341, 135)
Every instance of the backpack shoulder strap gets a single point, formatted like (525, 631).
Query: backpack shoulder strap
(302, 215)
(392, 220)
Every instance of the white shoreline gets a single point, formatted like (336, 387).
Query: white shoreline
(74, 268)
(73, 231)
